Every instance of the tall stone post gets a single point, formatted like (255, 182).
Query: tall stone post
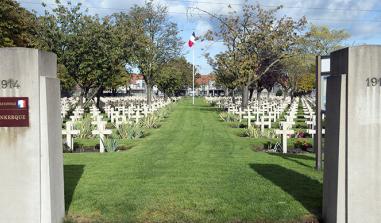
(31, 159)
(352, 179)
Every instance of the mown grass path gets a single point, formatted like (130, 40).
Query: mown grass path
(194, 168)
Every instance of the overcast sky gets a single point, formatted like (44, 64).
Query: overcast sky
(362, 19)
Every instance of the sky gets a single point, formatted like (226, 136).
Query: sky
(361, 19)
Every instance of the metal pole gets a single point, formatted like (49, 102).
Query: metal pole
(318, 127)
(193, 72)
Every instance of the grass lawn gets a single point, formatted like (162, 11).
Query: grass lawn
(195, 168)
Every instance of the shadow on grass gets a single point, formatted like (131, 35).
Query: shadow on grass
(293, 156)
(72, 175)
(206, 108)
(301, 187)
(296, 158)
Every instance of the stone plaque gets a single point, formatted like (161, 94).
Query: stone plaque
(14, 112)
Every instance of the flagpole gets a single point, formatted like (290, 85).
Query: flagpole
(193, 72)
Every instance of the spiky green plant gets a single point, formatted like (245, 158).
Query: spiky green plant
(151, 121)
(110, 144)
(252, 132)
(163, 113)
(268, 133)
(131, 131)
(229, 117)
(85, 127)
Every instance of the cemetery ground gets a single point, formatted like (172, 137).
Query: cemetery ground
(194, 168)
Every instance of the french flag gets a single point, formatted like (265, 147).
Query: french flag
(192, 40)
(21, 103)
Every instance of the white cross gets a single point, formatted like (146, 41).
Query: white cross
(97, 120)
(137, 115)
(249, 117)
(264, 122)
(69, 132)
(120, 120)
(289, 121)
(95, 114)
(102, 131)
(240, 113)
(284, 132)
(145, 110)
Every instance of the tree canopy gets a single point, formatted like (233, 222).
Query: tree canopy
(155, 43)
(256, 42)
(175, 76)
(17, 25)
(261, 49)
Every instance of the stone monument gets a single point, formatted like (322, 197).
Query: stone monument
(352, 177)
(31, 159)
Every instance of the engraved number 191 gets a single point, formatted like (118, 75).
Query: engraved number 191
(372, 82)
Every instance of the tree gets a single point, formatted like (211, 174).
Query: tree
(295, 69)
(256, 41)
(86, 46)
(17, 25)
(155, 41)
(306, 84)
(175, 76)
(224, 76)
(298, 70)
(267, 81)
(320, 40)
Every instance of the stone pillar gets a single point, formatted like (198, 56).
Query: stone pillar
(352, 181)
(31, 159)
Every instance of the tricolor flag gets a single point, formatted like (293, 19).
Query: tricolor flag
(21, 103)
(192, 40)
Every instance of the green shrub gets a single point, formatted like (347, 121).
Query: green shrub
(85, 127)
(163, 113)
(229, 117)
(151, 121)
(131, 131)
(279, 92)
(110, 144)
(252, 132)
(269, 133)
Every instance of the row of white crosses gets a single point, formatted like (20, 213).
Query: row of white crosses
(264, 112)
(66, 105)
(118, 115)
(286, 126)
(121, 114)
(310, 116)
(77, 114)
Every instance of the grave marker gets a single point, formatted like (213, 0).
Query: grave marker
(285, 131)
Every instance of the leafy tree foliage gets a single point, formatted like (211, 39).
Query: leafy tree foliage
(320, 40)
(155, 43)
(88, 47)
(175, 76)
(224, 76)
(256, 41)
(298, 76)
(17, 25)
